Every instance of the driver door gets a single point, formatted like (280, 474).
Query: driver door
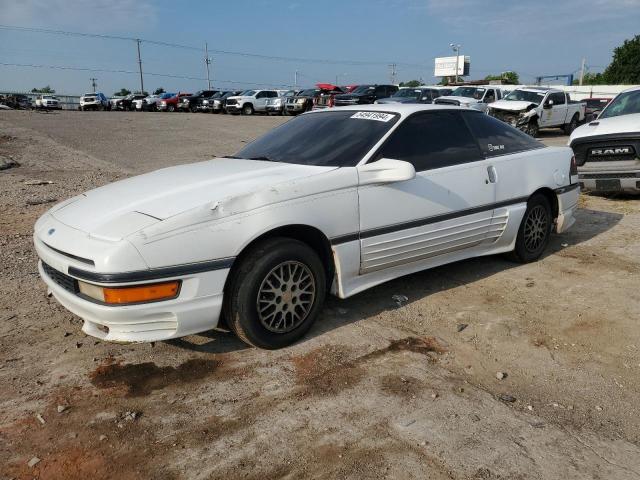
(446, 208)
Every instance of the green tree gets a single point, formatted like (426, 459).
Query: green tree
(158, 91)
(411, 83)
(123, 92)
(591, 79)
(625, 66)
(46, 89)
(508, 77)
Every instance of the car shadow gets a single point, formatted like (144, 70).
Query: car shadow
(339, 313)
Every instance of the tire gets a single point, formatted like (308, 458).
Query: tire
(171, 108)
(571, 126)
(253, 282)
(247, 109)
(535, 230)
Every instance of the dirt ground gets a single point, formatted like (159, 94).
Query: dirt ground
(376, 390)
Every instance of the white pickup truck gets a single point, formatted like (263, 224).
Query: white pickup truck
(533, 108)
(607, 150)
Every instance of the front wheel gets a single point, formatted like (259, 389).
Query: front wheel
(247, 109)
(532, 128)
(171, 108)
(275, 293)
(535, 230)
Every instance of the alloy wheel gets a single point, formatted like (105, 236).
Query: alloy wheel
(536, 228)
(286, 297)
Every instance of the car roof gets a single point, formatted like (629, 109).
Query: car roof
(403, 109)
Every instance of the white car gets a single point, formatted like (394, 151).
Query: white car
(94, 101)
(468, 96)
(259, 238)
(250, 101)
(608, 149)
(48, 102)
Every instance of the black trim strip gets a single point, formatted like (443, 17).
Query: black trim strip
(426, 221)
(566, 189)
(153, 274)
(75, 257)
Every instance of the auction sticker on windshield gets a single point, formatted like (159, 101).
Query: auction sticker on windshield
(378, 116)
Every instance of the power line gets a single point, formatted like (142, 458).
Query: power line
(132, 72)
(219, 52)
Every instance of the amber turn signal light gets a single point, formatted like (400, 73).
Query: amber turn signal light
(126, 295)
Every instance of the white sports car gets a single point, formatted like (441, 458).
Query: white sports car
(335, 200)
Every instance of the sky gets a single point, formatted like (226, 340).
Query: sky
(351, 41)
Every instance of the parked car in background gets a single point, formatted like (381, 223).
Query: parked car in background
(533, 108)
(113, 102)
(607, 149)
(365, 94)
(48, 102)
(250, 101)
(412, 95)
(16, 101)
(468, 96)
(171, 104)
(259, 238)
(127, 103)
(305, 100)
(94, 101)
(276, 106)
(190, 103)
(593, 107)
(443, 91)
(150, 104)
(216, 104)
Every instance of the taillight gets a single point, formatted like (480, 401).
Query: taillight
(573, 170)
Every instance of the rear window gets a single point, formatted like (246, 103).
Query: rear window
(337, 138)
(496, 137)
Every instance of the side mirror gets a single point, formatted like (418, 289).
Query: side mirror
(385, 170)
(548, 104)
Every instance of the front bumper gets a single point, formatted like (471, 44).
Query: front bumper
(273, 109)
(601, 180)
(196, 309)
(233, 108)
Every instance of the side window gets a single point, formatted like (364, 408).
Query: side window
(490, 97)
(273, 94)
(559, 99)
(496, 137)
(261, 95)
(432, 140)
(381, 91)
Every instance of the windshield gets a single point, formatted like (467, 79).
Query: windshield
(469, 92)
(311, 92)
(336, 139)
(624, 104)
(364, 89)
(167, 95)
(407, 93)
(248, 93)
(525, 96)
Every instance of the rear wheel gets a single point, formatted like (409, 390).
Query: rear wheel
(571, 126)
(535, 230)
(275, 293)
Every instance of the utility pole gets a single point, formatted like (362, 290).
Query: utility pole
(456, 48)
(582, 71)
(140, 67)
(295, 80)
(207, 61)
(93, 84)
(392, 74)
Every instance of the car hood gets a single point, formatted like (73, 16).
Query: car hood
(239, 97)
(608, 126)
(127, 206)
(512, 105)
(462, 100)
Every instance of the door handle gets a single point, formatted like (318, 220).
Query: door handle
(493, 174)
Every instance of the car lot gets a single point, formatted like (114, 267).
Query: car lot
(381, 388)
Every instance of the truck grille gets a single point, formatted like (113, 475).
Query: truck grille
(231, 102)
(61, 279)
(605, 150)
(446, 101)
(507, 117)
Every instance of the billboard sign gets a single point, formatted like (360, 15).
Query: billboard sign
(446, 66)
